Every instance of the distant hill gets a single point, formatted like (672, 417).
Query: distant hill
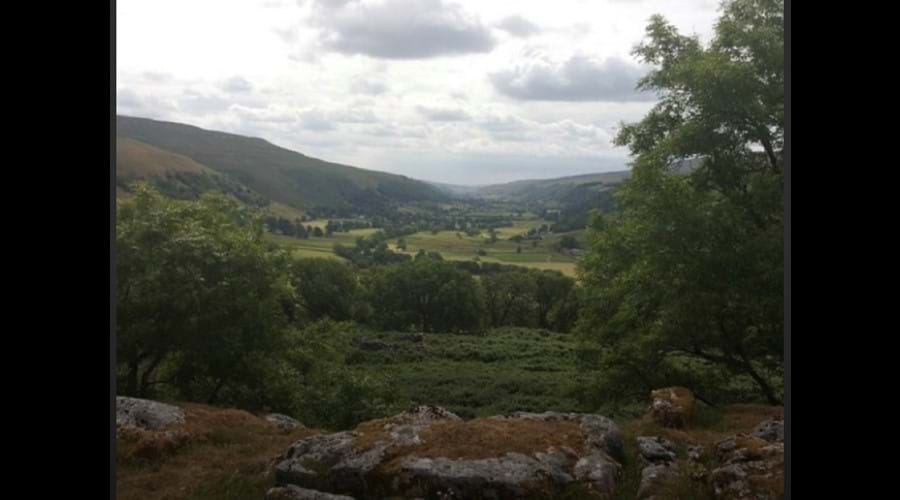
(275, 173)
(551, 189)
(457, 189)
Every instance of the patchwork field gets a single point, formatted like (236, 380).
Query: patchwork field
(452, 245)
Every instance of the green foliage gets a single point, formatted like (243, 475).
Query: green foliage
(177, 264)
(509, 298)
(325, 288)
(502, 371)
(426, 295)
(326, 394)
(201, 309)
(685, 283)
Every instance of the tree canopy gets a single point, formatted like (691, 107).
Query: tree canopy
(684, 283)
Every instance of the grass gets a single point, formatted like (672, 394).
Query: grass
(507, 370)
(227, 456)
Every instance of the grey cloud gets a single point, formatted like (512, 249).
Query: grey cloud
(518, 26)
(370, 87)
(128, 99)
(578, 79)
(400, 29)
(150, 106)
(236, 84)
(156, 76)
(316, 121)
(354, 116)
(202, 104)
(444, 114)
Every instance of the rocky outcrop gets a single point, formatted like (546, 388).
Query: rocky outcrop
(429, 452)
(672, 406)
(134, 413)
(659, 456)
(751, 466)
(283, 422)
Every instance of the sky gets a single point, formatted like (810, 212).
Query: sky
(462, 92)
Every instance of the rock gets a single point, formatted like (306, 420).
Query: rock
(429, 452)
(653, 479)
(672, 406)
(696, 469)
(656, 449)
(283, 422)
(772, 430)
(134, 413)
(291, 492)
(370, 345)
(750, 468)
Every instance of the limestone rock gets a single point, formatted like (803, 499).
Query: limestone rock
(429, 452)
(672, 406)
(134, 413)
(283, 422)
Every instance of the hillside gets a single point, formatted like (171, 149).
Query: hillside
(551, 189)
(279, 174)
(175, 175)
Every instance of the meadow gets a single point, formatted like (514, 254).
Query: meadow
(452, 245)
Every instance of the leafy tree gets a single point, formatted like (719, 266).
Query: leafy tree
(553, 295)
(326, 288)
(317, 232)
(509, 298)
(427, 295)
(198, 289)
(569, 241)
(685, 283)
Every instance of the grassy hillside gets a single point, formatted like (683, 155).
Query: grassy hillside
(277, 173)
(175, 175)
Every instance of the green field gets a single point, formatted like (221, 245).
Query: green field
(452, 245)
(505, 370)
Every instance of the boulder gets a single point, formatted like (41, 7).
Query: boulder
(655, 449)
(672, 406)
(653, 480)
(772, 430)
(659, 455)
(283, 422)
(134, 413)
(749, 467)
(428, 452)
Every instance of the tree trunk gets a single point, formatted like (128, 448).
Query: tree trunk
(764, 386)
(132, 384)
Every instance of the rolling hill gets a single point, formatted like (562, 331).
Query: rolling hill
(551, 189)
(275, 173)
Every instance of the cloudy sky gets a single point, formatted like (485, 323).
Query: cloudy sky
(465, 92)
